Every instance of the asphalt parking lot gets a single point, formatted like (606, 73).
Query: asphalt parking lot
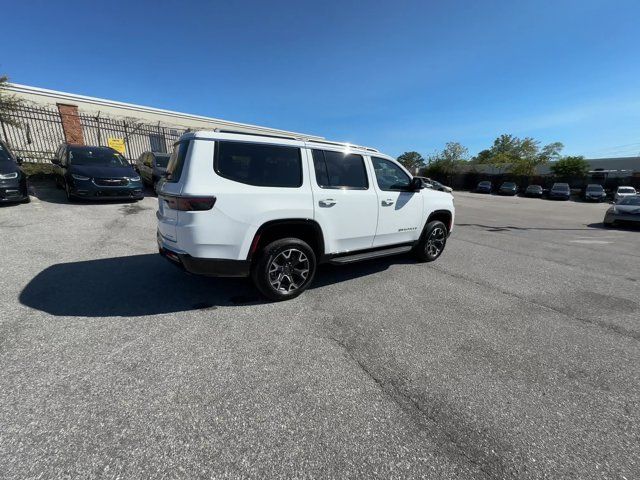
(515, 355)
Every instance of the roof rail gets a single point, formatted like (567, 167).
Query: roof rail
(342, 144)
(240, 132)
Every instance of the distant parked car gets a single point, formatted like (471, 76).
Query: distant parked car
(13, 181)
(435, 185)
(484, 187)
(508, 188)
(95, 173)
(152, 166)
(594, 193)
(625, 210)
(533, 191)
(622, 192)
(560, 191)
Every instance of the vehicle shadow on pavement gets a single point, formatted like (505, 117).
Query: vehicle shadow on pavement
(136, 285)
(627, 226)
(142, 285)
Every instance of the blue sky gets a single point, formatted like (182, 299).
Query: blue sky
(402, 75)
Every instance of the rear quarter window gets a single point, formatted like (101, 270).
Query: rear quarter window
(176, 161)
(259, 164)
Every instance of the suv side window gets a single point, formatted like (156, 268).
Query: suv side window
(390, 177)
(176, 162)
(337, 170)
(259, 164)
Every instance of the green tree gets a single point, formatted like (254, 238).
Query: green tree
(552, 151)
(8, 103)
(575, 166)
(411, 160)
(448, 161)
(520, 156)
(483, 157)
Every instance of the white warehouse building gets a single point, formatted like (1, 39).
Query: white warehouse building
(48, 118)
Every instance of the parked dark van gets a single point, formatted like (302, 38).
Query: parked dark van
(152, 166)
(13, 181)
(95, 173)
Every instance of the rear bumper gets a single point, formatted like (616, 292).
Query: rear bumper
(210, 267)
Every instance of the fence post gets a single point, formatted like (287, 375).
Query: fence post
(4, 132)
(98, 125)
(126, 141)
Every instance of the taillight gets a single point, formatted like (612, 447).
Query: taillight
(189, 204)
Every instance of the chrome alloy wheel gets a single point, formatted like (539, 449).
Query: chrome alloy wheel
(436, 241)
(288, 270)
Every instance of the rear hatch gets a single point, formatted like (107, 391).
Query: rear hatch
(170, 188)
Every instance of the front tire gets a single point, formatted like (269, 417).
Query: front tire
(284, 269)
(67, 190)
(432, 242)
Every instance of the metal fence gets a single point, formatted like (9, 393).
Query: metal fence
(39, 133)
(138, 137)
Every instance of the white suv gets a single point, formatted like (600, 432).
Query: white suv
(273, 208)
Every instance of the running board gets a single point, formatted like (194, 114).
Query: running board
(356, 257)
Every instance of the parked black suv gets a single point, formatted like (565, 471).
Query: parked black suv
(13, 181)
(152, 166)
(95, 173)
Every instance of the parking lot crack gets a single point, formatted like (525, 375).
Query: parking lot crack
(454, 445)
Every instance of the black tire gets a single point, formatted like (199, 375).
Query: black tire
(70, 198)
(432, 242)
(272, 269)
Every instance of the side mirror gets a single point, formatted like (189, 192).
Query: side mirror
(19, 160)
(416, 184)
(55, 161)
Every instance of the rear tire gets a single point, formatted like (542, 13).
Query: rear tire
(432, 242)
(284, 269)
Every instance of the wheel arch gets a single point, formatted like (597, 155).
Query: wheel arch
(305, 229)
(445, 216)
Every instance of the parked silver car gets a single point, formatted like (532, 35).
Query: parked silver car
(626, 210)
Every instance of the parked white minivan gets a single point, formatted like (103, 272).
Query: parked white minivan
(273, 208)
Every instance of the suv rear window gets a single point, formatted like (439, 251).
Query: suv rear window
(337, 170)
(258, 164)
(176, 161)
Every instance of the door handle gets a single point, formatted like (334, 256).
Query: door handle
(387, 203)
(329, 202)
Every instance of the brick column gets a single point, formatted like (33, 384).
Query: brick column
(71, 123)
